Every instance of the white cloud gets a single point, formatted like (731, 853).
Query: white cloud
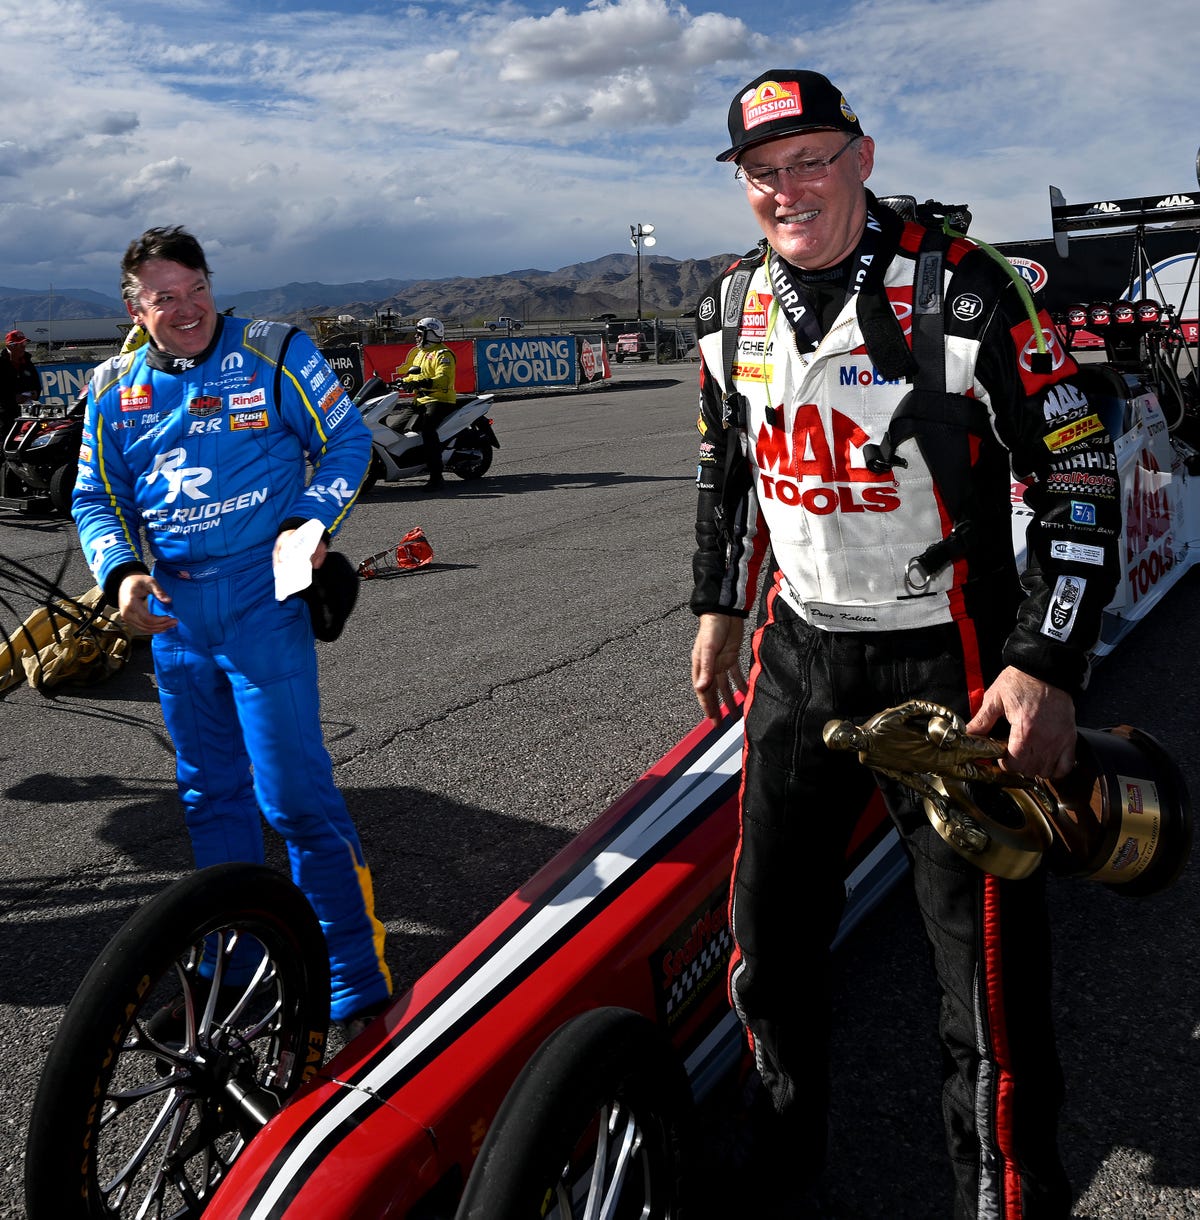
(356, 140)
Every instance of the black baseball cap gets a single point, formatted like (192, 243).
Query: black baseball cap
(782, 102)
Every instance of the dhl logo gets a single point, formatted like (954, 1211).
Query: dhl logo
(1077, 431)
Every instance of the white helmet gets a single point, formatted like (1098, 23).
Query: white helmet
(430, 328)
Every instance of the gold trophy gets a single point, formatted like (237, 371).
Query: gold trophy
(1121, 816)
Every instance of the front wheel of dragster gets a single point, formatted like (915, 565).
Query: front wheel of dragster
(597, 1124)
(62, 484)
(475, 458)
(203, 1014)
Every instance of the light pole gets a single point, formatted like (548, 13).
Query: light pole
(639, 236)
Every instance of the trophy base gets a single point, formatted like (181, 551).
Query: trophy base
(1124, 817)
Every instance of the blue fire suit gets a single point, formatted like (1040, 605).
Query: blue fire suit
(207, 456)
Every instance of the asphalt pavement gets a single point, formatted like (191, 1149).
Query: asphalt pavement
(483, 710)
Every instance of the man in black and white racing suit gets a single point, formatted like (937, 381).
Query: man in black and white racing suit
(883, 542)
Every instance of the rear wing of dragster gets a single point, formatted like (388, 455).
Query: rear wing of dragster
(1068, 218)
(1179, 211)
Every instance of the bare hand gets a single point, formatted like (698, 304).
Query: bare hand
(717, 664)
(1041, 740)
(133, 601)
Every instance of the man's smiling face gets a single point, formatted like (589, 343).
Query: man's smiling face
(175, 306)
(814, 223)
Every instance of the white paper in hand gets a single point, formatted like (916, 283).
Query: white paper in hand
(293, 565)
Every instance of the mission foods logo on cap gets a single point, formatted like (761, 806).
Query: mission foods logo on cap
(771, 100)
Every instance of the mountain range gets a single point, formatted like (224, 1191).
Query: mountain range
(670, 289)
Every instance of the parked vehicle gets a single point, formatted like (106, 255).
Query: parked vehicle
(41, 457)
(632, 340)
(467, 434)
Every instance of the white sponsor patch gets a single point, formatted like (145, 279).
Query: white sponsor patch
(1076, 552)
(248, 401)
(1064, 605)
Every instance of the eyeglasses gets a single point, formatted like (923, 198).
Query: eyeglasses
(766, 179)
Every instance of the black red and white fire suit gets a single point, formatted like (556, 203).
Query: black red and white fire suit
(887, 580)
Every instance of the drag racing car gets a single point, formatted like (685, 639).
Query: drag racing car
(550, 1063)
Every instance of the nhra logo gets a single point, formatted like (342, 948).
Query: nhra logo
(1034, 274)
(814, 470)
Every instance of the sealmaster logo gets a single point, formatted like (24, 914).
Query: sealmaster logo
(135, 397)
(772, 100)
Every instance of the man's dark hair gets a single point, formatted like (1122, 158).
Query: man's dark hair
(173, 243)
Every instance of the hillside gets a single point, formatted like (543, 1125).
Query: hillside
(670, 288)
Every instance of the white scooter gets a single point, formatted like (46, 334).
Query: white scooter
(466, 433)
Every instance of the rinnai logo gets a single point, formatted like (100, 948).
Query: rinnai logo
(135, 397)
(770, 101)
(248, 402)
(817, 471)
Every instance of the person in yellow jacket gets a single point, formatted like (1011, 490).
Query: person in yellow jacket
(430, 375)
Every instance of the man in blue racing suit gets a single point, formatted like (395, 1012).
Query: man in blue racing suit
(200, 438)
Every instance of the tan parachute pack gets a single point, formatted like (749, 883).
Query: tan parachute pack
(70, 641)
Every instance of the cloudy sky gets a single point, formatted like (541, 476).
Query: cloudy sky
(342, 140)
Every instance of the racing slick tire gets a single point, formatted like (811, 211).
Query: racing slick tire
(472, 467)
(62, 483)
(602, 1111)
(157, 1079)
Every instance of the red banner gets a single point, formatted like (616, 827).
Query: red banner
(388, 360)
